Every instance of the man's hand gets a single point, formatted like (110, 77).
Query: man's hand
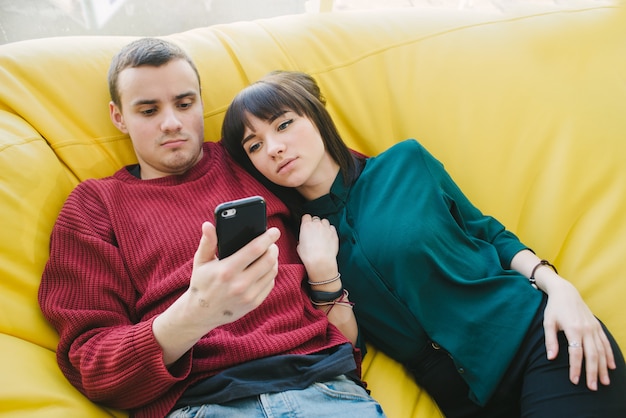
(225, 290)
(220, 291)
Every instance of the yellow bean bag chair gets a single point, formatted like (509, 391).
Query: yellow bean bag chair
(527, 112)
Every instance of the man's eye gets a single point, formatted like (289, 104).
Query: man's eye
(148, 112)
(185, 105)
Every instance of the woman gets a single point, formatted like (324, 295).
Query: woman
(438, 286)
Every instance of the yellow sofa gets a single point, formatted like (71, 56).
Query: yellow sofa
(527, 111)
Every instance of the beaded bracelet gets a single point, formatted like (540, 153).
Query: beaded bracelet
(334, 279)
(532, 279)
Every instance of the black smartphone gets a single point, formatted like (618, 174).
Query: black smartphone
(238, 222)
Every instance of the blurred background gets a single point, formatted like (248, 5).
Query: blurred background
(30, 19)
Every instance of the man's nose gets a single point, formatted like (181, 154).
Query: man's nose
(171, 121)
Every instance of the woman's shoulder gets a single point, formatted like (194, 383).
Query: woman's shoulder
(407, 149)
(406, 156)
(407, 145)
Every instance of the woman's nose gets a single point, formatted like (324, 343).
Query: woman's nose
(274, 147)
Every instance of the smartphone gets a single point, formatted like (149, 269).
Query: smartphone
(238, 222)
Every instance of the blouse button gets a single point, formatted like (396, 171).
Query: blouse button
(461, 370)
(435, 345)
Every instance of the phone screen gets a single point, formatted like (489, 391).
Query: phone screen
(238, 222)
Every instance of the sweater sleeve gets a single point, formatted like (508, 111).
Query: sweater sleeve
(86, 293)
(469, 217)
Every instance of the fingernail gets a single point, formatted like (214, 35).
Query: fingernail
(550, 354)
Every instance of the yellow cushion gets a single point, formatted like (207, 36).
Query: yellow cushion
(37, 388)
(526, 112)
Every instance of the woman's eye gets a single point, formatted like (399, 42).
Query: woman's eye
(184, 105)
(285, 124)
(253, 147)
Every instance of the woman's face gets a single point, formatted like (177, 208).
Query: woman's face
(289, 151)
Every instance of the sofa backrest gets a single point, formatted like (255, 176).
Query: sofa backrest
(527, 112)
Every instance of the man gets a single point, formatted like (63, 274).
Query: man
(150, 320)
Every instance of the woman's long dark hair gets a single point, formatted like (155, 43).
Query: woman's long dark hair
(274, 94)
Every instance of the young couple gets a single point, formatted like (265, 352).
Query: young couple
(152, 321)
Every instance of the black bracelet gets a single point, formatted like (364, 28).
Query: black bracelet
(318, 296)
(532, 279)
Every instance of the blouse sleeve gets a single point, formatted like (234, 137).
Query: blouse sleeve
(469, 217)
(104, 350)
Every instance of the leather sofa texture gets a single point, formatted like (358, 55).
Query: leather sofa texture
(527, 112)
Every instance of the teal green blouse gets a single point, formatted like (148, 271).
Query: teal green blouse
(422, 263)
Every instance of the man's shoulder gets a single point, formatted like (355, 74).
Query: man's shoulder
(100, 182)
(214, 146)
(95, 189)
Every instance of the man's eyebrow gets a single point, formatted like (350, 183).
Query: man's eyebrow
(186, 94)
(143, 102)
(154, 101)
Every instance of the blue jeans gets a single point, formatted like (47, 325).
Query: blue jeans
(337, 398)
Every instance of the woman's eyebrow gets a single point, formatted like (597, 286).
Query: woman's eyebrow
(247, 138)
(277, 115)
(270, 120)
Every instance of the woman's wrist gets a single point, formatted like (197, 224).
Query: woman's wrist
(325, 290)
(327, 305)
(548, 281)
(324, 280)
(541, 264)
(335, 278)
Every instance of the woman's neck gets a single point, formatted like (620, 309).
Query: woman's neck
(320, 182)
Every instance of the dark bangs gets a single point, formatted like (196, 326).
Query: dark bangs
(265, 101)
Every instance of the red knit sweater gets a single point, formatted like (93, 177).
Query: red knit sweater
(121, 253)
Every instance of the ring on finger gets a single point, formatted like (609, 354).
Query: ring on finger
(574, 344)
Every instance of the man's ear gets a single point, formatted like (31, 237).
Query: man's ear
(117, 118)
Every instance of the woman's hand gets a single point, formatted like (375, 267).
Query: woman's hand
(566, 311)
(318, 247)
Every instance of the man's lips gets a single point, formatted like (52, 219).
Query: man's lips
(172, 143)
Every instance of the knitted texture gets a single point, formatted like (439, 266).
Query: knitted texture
(122, 252)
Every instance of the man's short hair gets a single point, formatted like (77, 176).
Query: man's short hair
(152, 52)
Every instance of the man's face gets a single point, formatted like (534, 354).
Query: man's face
(161, 110)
